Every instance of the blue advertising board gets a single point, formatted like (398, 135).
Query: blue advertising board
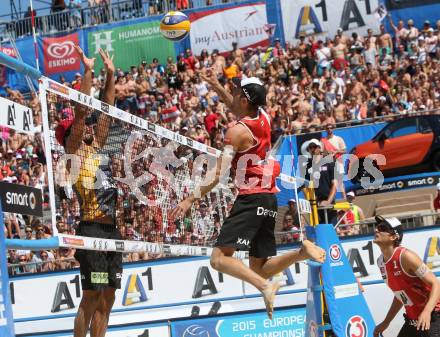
(286, 322)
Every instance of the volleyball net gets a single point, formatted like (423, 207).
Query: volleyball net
(129, 171)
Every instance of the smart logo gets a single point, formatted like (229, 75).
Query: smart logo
(21, 199)
(196, 330)
(356, 327)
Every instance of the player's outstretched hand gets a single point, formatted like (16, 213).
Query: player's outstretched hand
(312, 251)
(210, 77)
(87, 62)
(181, 209)
(108, 61)
(379, 329)
(424, 321)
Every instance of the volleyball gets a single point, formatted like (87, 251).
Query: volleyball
(175, 26)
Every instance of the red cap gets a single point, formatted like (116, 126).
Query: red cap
(61, 129)
(383, 85)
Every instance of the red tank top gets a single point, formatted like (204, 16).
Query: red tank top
(255, 170)
(410, 290)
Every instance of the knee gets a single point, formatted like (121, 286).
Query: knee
(215, 261)
(108, 299)
(90, 298)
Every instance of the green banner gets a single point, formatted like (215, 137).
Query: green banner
(131, 44)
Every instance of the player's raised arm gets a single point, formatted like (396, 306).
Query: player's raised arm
(75, 137)
(211, 78)
(104, 120)
(414, 265)
(236, 139)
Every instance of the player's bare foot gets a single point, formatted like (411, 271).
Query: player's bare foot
(269, 296)
(312, 251)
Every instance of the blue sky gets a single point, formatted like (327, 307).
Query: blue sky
(5, 7)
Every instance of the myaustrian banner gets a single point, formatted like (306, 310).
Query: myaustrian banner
(218, 29)
(131, 44)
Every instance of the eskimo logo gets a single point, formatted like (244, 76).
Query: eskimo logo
(21, 199)
(196, 330)
(335, 252)
(356, 327)
(61, 50)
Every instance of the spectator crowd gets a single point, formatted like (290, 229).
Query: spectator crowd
(312, 84)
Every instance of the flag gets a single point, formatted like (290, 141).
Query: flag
(380, 13)
(270, 29)
(170, 114)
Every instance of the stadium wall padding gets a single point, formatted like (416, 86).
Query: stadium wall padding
(274, 9)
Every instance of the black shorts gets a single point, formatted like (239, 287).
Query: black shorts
(409, 329)
(99, 270)
(250, 225)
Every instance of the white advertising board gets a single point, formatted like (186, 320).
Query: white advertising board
(322, 18)
(168, 289)
(217, 29)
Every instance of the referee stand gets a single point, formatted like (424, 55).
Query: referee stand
(6, 319)
(22, 200)
(335, 303)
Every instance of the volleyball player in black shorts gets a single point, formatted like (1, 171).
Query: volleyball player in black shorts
(101, 272)
(251, 223)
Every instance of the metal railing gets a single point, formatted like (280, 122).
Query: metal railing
(31, 267)
(69, 19)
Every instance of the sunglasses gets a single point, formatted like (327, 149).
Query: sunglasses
(28, 231)
(384, 228)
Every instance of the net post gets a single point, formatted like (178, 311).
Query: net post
(48, 151)
(309, 194)
(19, 66)
(6, 318)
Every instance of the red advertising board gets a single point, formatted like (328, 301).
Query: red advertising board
(59, 54)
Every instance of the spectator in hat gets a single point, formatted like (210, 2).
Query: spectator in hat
(76, 84)
(349, 219)
(413, 32)
(335, 146)
(291, 229)
(431, 42)
(324, 180)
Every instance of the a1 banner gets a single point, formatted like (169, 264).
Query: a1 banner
(217, 29)
(16, 116)
(59, 54)
(322, 18)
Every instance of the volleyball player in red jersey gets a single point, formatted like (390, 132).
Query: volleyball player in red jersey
(415, 287)
(251, 223)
